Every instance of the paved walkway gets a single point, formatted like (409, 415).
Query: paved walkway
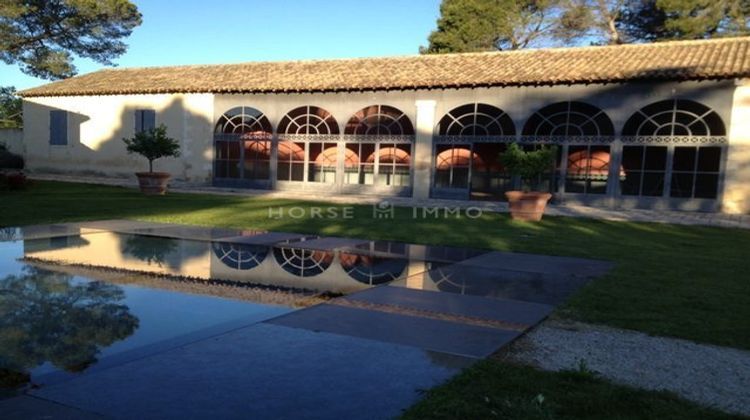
(741, 221)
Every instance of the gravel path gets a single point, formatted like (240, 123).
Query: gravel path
(713, 376)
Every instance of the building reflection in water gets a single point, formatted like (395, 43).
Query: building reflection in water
(287, 266)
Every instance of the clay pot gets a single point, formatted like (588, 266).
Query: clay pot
(153, 183)
(527, 206)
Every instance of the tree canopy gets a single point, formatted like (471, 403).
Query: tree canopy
(482, 25)
(42, 36)
(486, 25)
(50, 317)
(10, 108)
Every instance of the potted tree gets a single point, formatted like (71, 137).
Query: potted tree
(528, 167)
(153, 144)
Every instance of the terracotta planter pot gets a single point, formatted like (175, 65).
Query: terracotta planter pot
(153, 183)
(527, 206)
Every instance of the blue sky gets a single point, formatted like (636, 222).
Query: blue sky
(230, 31)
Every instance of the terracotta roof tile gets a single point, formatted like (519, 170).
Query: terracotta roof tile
(679, 60)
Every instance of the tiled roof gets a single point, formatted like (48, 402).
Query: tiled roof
(677, 60)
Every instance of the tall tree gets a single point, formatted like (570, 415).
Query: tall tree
(42, 36)
(692, 19)
(486, 25)
(10, 108)
(595, 21)
(643, 20)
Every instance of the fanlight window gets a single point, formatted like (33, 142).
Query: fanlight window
(242, 120)
(239, 256)
(675, 117)
(372, 270)
(569, 119)
(308, 120)
(303, 262)
(379, 120)
(476, 120)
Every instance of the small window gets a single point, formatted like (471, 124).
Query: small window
(58, 128)
(145, 120)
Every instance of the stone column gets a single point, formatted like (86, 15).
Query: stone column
(736, 197)
(423, 148)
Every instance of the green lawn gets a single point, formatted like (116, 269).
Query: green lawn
(681, 281)
(498, 390)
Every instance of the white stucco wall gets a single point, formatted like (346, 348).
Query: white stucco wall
(97, 124)
(737, 178)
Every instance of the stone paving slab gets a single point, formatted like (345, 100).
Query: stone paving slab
(264, 371)
(195, 233)
(30, 408)
(119, 225)
(434, 253)
(267, 238)
(328, 243)
(512, 261)
(544, 288)
(429, 334)
(506, 310)
(44, 232)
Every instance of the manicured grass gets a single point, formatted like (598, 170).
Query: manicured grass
(499, 390)
(682, 281)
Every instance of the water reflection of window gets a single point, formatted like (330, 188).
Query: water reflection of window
(303, 262)
(239, 256)
(372, 270)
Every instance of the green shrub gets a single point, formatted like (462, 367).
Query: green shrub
(153, 144)
(530, 165)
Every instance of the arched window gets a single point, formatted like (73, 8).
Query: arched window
(381, 161)
(455, 162)
(243, 119)
(293, 159)
(381, 120)
(675, 117)
(694, 172)
(242, 141)
(569, 119)
(308, 120)
(587, 169)
(476, 120)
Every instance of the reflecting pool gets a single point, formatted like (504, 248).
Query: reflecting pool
(80, 297)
